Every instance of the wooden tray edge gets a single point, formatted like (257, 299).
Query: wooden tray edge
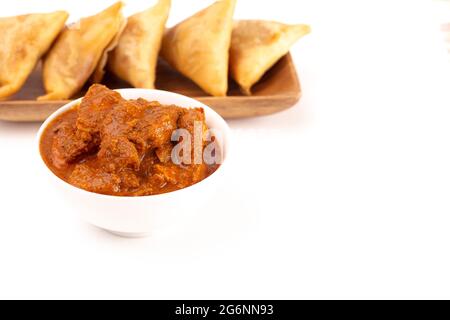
(230, 107)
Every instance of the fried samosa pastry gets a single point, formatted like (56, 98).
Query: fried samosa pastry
(135, 58)
(24, 39)
(199, 47)
(257, 45)
(80, 52)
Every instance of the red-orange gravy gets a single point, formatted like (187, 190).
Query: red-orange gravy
(120, 147)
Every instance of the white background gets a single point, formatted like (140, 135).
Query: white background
(346, 195)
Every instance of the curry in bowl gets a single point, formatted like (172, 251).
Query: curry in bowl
(113, 146)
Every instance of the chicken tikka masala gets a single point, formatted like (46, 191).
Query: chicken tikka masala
(120, 147)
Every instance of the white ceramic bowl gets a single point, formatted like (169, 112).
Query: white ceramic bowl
(142, 216)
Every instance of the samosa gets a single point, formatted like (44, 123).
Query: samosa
(81, 52)
(199, 47)
(257, 45)
(136, 56)
(24, 39)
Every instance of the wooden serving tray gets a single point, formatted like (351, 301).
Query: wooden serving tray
(278, 90)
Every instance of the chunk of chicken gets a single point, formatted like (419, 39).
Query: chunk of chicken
(68, 144)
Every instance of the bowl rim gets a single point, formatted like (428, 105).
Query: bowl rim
(225, 129)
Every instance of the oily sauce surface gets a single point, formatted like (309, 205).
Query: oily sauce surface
(120, 147)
